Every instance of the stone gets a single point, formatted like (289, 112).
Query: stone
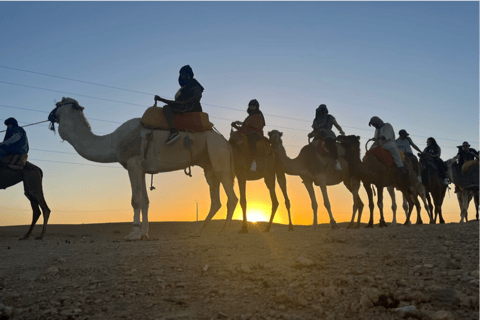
(245, 269)
(408, 311)
(331, 293)
(442, 315)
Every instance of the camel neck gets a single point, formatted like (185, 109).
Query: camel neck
(88, 145)
(291, 166)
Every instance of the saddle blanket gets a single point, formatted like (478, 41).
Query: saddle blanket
(385, 156)
(240, 140)
(469, 165)
(14, 161)
(321, 146)
(154, 118)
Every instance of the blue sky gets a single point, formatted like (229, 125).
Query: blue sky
(413, 64)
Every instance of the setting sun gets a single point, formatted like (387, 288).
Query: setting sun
(255, 217)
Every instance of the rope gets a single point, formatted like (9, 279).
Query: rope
(188, 170)
(30, 124)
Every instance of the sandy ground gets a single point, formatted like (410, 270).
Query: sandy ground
(89, 272)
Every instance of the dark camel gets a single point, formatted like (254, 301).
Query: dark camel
(313, 167)
(467, 186)
(434, 186)
(31, 176)
(372, 171)
(268, 169)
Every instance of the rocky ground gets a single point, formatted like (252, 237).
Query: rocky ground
(89, 272)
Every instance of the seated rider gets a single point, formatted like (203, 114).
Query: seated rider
(187, 99)
(405, 144)
(434, 150)
(465, 153)
(385, 138)
(15, 141)
(322, 129)
(252, 127)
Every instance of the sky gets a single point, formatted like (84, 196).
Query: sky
(413, 64)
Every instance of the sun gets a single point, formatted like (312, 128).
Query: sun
(256, 217)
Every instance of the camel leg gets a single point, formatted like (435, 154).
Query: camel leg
(429, 207)
(145, 204)
(282, 182)
(371, 205)
(270, 182)
(228, 181)
(416, 203)
(215, 204)
(36, 215)
(311, 192)
(423, 195)
(326, 201)
(391, 192)
(353, 186)
(438, 201)
(135, 173)
(380, 207)
(462, 197)
(242, 186)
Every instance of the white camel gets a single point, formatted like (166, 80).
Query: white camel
(143, 151)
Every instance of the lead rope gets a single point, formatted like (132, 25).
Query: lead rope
(30, 124)
(188, 170)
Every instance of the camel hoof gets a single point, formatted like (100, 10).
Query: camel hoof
(350, 226)
(267, 229)
(370, 225)
(244, 230)
(144, 237)
(419, 222)
(442, 221)
(39, 238)
(290, 228)
(393, 224)
(23, 238)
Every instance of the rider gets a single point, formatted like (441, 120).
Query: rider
(405, 143)
(252, 127)
(465, 153)
(322, 128)
(15, 141)
(385, 138)
(187, 99)
(434, 150)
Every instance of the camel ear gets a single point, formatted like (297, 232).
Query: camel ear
(281, 134)
(358, 138)
(81, 108)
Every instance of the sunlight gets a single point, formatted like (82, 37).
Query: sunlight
(256, 216)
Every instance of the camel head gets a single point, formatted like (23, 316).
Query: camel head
(65, 113)
(351, 144)
(275, 137)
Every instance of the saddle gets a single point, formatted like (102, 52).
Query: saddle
(384, 156)
(14, 161)
(239, 141)
(153, 118)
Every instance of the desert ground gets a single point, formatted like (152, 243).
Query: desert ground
(90, 272)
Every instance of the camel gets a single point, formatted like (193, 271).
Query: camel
(372, 171)
(31, 175)
(467, 186)
(270, 170)
(143, 151)
(313, 167)
(434, 185)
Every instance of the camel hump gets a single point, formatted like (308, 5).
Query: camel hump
(469, 165)
(153, 118)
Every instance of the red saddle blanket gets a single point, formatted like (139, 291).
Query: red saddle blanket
(321, 146)
(191, 121)
(382, 155)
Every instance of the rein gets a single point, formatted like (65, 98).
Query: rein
(27, 125)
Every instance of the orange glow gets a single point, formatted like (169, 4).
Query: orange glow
(256, 216)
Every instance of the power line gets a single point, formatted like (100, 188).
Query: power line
(61, 211)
